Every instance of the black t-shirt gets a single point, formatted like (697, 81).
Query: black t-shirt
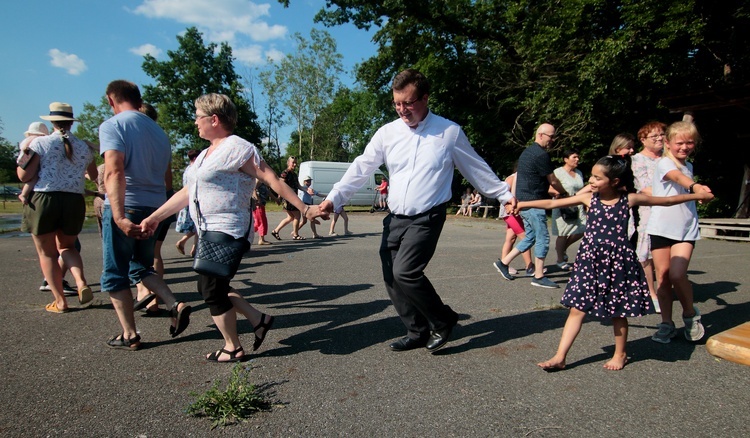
(534, 165)
(291, 179)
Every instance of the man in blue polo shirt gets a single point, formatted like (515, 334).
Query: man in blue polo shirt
(535, 175)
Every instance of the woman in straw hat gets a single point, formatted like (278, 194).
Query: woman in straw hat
(54, 215)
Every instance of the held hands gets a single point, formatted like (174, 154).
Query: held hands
(315, 211)
(149, 226)
(704, 192)
(512, 207)
(325, 209)
(130, 229)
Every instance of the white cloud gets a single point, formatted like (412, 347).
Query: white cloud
(254, 55)
(251, 55)
(71, 63)
(146, 49)
(221, 20)
(275, 55)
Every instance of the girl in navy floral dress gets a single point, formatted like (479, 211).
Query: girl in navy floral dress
(607, 279)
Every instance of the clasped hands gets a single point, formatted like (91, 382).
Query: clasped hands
(511, 207)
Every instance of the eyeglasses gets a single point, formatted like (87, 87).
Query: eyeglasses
(198, 117)
(406, 104)
(552, 136)
(655, 136)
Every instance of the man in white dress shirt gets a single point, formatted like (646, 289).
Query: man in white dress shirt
(420, 150)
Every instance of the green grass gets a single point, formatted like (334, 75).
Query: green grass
(10, 206)
(235, 403)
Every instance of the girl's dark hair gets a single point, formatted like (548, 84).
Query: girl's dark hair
(618, 167)
(568, 152)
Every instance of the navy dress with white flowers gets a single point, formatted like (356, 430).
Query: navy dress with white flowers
(607, 280)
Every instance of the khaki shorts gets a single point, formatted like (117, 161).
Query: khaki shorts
(52, 211)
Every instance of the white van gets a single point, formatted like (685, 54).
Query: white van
(327, 173)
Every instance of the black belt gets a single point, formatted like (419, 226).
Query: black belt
(434, 209)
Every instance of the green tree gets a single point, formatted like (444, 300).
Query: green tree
(273, 117)
(192, 70)
(89, 119)
(591, 67)
(305, 82)
(8, 154)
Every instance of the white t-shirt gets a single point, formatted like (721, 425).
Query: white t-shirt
(56, 172)
(224, 191)
(677, 222)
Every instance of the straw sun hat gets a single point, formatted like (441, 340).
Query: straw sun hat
(59, 111)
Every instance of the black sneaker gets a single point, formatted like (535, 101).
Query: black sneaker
(503, 270)
(45, 286)
(68, 290)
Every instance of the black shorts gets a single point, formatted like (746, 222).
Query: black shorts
(658, 242)
(162, 232)
(288, 206)
(215, 292)
(48, 212)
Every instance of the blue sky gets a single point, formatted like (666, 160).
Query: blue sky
(69, 51)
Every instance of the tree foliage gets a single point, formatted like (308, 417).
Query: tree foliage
(593, 68)
(89, 119)
(190, 71)
(304, 82)
(8, 154)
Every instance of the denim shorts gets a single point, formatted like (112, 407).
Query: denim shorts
(537, 234)
(126, 260)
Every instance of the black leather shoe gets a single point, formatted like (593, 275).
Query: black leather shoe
(438, 338)
(406, 343)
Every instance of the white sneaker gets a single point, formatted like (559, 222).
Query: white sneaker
(694, 330)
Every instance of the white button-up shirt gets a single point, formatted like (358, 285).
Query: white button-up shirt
(420, 164)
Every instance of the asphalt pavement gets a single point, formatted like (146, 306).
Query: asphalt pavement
(326, 365)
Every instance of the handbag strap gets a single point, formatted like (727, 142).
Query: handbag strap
(201, 220)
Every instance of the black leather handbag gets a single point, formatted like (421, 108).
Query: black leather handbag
(219, 254)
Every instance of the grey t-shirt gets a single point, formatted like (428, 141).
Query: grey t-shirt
(147, 156)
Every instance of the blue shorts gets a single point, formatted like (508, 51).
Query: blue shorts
(537, 234)
(126, 260)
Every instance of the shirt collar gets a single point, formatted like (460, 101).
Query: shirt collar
(421, 125)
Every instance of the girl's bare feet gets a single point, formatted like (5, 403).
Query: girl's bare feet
(553, 364)
(617, 362)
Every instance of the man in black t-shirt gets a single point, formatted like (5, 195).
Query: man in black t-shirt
(535, 175)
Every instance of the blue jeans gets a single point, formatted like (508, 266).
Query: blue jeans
(125, 260)
(535, 222)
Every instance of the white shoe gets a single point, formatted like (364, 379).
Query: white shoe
(694, 330)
